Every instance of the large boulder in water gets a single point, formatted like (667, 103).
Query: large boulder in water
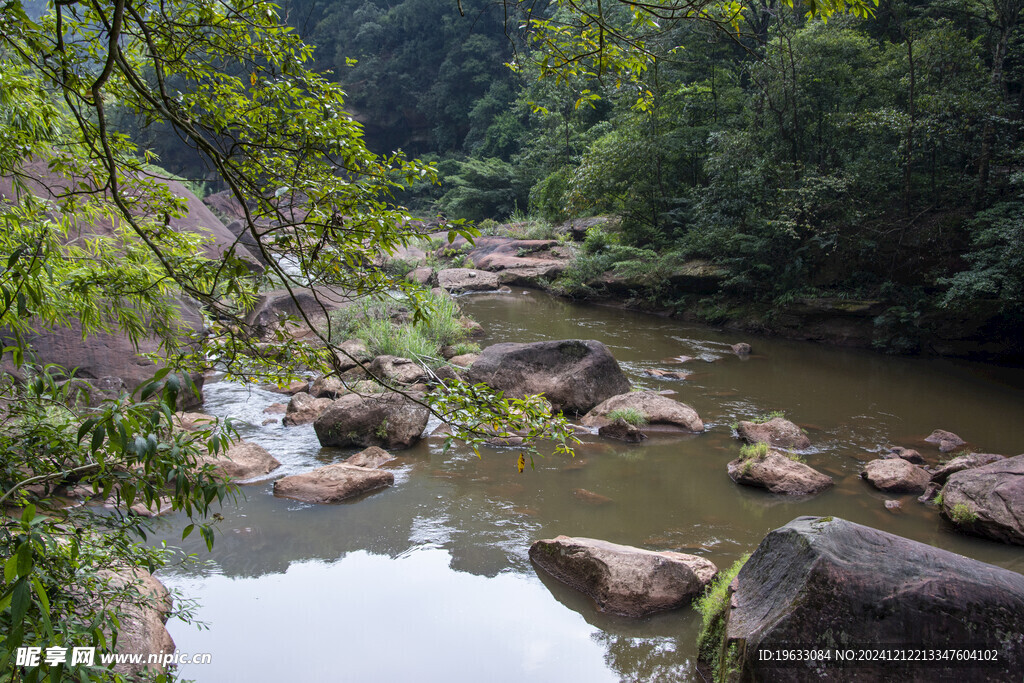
(387, 420)
(823, 583)
(777, 432)
(333, 483)
(574, 375)
(779, 474)
(657, 410)
(988, 500)
(621, 579)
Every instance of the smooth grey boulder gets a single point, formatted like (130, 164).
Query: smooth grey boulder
(895, 475)
(988, 500)
(332, 483)
(821, 582)
(779, 474)
(396, 369)
(777, 432)
(622, 579)
(574, 375)
(385, 420)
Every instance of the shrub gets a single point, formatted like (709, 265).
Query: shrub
(631, 415)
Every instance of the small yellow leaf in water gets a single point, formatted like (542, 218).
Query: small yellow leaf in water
(521, 464)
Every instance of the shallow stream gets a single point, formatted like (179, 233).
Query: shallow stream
(430, 581)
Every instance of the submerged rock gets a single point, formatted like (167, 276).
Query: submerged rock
(303, 409)
(908, 454)
(779, 474)
(574, 375)
(741, 349)
(622, 579)
(777, 432)
(946, 441)
(988, 501)
(386, 420)
(657, 409)
(828, 583)
(333, 483)
(896, 476)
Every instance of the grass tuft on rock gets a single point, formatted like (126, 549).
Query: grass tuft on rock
(633, 416)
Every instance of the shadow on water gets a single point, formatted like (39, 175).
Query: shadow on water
(436, 567)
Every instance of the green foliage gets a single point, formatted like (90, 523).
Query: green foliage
(391, 327)
(961, 513)
(481, 189)
(754, 451)
(547, 197)
(767, 417)
(713, 607)
(633, 416)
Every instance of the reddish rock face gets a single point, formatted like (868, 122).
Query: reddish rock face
(333, 483)
(946, 441)
(827, 583)
(777, 432)
(244, 460)
(371, 458)
(467, 280)
(622, 579)
(779, 474)
(573, 375)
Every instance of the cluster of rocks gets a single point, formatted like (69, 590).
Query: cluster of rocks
(979, 493)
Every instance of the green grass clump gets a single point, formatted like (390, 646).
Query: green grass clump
(462, 348)
(963, 514)
(712, 607)
(377, 324)
(767, 417)
(631, 415)
(758, 449)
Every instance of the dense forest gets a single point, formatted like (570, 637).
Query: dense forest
(872, 159)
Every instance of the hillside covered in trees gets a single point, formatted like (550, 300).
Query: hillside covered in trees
(872, 158)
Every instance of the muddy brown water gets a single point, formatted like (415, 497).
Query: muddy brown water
(430, 580)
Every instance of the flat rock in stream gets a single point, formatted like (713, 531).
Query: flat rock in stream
(825, 583)
(622, 579)
(777, 432)
(333, 483)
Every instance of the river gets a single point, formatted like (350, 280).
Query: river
(430, 581)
